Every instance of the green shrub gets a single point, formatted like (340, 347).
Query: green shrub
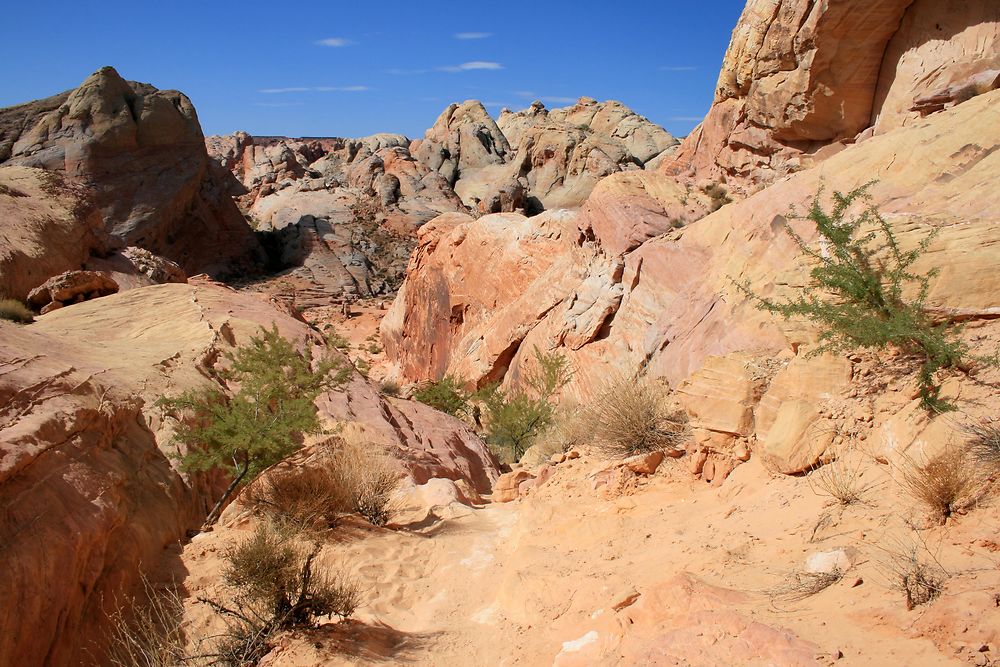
(263, 422)
(15, 311)
(856, 293)
(390, 388)
(446, 395)
(274, 586)
(514, 419)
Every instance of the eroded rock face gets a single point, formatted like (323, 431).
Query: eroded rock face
(139, 156)
(71, 287)
(86, 460)
(480, 295)
(802, 79)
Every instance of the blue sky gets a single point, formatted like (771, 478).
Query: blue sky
(359, 67)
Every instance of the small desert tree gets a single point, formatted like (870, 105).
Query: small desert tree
(264, 420)
(515, 418)
(864, 292)
(446, 395)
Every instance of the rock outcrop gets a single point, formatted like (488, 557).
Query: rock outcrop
(802, 79)
(138, 156)
(87, 474)
(617, 294)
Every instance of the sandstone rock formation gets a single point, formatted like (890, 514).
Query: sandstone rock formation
(91, 492)
(480, 295)
(801, 80)
(138, 155)
(70, 287)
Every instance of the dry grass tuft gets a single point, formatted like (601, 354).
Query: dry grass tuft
(370, 479)
(303, 498)
(568, 430)
(633, 417)
(15, 311)
(798, 586)
(842, 481)
(150, 634)
(947, 484)
(914, 571)
(985, 442)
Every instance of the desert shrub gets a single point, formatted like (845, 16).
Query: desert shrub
(446, 395)
(797, 586)
(856, 293)
(515, 418)
(915, 572)
(718, 196)
(274, 586)
(362, 366)
(370, 480)
(390, 388)
(337, 340)
(948, 483)
(842, 481)
(263, 422)
(15, 311)
(567, 430)
(631, 417)
(985, 442)
(148, 633)
(303, 498)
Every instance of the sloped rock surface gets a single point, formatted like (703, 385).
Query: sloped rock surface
(86, 475)
(139, 157)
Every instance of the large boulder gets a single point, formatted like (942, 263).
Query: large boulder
(138, 156)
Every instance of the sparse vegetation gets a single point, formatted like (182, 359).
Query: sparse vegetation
(148, 633)
(568, 430)
(274, 586)
(857, 294)
(362, 366)
(11, 192)
(632, 416)
(914, 571)
(515, 418)
(15, 311)
(718, 196)
(390, 388)
(263, 422)
(446, 395)
(985, 442)
(797, 586)
(948, 483)
(304, 498)
(370, 479)
(842, 481)
(337, 340)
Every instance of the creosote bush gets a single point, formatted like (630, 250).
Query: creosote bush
(275, 585)
(516, 417)
(632, 416)
(446, 395)
(948, 483)
(15, 311)
(864, 293)
(264, 420)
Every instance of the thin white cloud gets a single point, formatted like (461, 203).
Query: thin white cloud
(341, 89)
(316, 89)
(335, 42)
(473, 65)
(472, 35)
(271, 91)
(677, 68)
(395, 71)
